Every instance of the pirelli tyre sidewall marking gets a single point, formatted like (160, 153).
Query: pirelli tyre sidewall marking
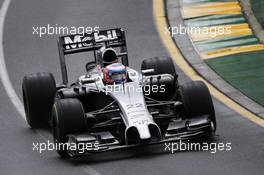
(55, 114)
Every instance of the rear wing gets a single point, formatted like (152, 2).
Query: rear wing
(71, 44)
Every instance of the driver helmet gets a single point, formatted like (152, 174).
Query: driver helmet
(115, 73)
(109, 56)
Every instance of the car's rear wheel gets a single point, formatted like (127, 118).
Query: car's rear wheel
(68, 117)
(38, 95)
(162, 65)
(197, 101)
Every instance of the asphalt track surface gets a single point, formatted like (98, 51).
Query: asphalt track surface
(26, 53)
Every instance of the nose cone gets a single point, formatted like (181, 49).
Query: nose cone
(142, 133)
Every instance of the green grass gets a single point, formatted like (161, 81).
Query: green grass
(200, 1)
(244, 71)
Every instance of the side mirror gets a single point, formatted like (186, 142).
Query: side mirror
(88, 80)
(147, 71)
(90, 65)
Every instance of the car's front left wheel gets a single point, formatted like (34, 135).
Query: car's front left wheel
(68, 117)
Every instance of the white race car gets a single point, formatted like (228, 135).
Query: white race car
(113, 106)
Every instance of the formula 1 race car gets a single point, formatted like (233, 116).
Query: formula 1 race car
(114, 106)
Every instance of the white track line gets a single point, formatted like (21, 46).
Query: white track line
(3, 71)
(90, 171)
(8, 85)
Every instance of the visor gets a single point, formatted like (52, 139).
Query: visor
(118, 76)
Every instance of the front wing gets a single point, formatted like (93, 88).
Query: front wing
(104, 141)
